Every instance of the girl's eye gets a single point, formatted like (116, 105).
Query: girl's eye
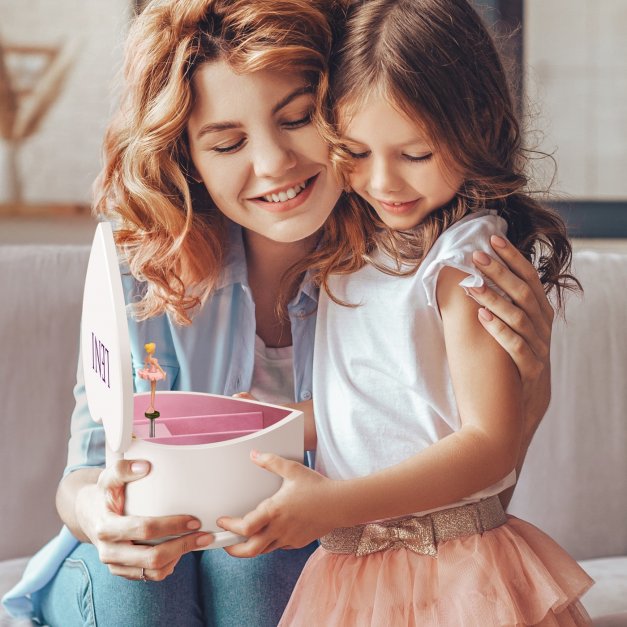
(414, 159)
(291, 124)
(231, 148)
(356, 155)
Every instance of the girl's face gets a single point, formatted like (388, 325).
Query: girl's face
(396, 170)
(258, 153)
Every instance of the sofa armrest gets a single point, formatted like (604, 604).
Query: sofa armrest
(41, 291)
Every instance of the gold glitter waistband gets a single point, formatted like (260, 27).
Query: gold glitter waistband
(420, 534)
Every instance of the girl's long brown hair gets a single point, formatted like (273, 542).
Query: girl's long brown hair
(436, 62)
(169, 231)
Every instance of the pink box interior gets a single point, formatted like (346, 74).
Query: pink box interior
(188, 418)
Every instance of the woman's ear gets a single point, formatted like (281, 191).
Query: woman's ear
(193, 174)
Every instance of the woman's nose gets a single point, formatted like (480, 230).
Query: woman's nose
(273, 158)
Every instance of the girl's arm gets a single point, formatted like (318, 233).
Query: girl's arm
(522, 327)
(485, 450)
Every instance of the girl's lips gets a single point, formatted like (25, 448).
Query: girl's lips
(398, 209)
(291, 203)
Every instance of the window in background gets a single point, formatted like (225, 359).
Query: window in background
(568, 64)
(575, 55)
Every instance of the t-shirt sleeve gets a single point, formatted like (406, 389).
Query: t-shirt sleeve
(454, 248)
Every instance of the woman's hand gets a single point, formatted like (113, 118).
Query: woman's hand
(291, 518)
(121, 540)
(522, 327)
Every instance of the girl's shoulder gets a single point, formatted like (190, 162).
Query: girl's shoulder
(454, 248)
(472, 233)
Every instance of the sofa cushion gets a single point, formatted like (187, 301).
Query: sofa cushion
(574, 481)
(41, 294)
(608, 596)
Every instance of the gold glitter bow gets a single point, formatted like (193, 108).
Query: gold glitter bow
(415, 534)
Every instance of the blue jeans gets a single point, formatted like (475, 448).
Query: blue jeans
(206, 588)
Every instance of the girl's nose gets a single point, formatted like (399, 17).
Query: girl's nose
(273, 158)
(383, 178)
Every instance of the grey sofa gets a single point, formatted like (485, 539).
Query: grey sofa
(574, 485)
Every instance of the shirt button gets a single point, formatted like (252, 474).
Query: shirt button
(301, 312)
(306, 396)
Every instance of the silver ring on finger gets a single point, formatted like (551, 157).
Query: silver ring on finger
(142, 576)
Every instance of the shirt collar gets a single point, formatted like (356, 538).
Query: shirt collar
(235, 270)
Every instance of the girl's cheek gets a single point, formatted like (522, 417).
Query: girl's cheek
(357, 179)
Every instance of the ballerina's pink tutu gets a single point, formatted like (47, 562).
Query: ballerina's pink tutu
(151, 374)
(511, 575)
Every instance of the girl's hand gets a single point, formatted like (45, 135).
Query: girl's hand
(297, 514)
(522, 327)
(99, 509)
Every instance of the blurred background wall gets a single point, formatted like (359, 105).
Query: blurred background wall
(58, 66)
(57, 88)
(576, 60)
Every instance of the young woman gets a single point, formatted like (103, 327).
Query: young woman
(221, 189)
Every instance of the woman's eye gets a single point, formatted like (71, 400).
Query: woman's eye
(229, 148)
(300, 122)
(414, 159)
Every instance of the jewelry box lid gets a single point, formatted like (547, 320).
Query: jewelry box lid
(105, 345)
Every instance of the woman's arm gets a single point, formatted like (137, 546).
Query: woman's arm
(306, 407)
(485, 450)
(311, 438)
(90, 501)
(523, 328)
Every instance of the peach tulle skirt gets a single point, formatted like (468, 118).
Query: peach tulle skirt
(512, 575)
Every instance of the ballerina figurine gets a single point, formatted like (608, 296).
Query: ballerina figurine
(152, 372)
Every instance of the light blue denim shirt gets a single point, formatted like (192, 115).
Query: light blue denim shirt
(215, 354)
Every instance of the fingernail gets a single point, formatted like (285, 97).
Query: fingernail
(477, 290)
(193, 524)
(485, 314)
(254, 454)
(139, 468)
(499, 242)
(204, 539)
(220, 522)
(481, 258)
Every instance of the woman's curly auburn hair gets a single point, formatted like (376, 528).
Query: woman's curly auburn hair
(172, 238)
(436, 62)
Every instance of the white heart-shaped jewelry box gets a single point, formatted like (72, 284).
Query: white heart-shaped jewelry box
(200, 455)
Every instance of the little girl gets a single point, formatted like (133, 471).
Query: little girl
(417, 410)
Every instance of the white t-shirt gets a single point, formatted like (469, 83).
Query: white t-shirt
(381, 381)
(273, 374)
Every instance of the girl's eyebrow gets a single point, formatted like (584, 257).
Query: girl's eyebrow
(215, 127)
(411, 142)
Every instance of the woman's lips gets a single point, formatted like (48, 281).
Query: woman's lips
(290, 203)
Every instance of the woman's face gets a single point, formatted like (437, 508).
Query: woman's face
(258, 153)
